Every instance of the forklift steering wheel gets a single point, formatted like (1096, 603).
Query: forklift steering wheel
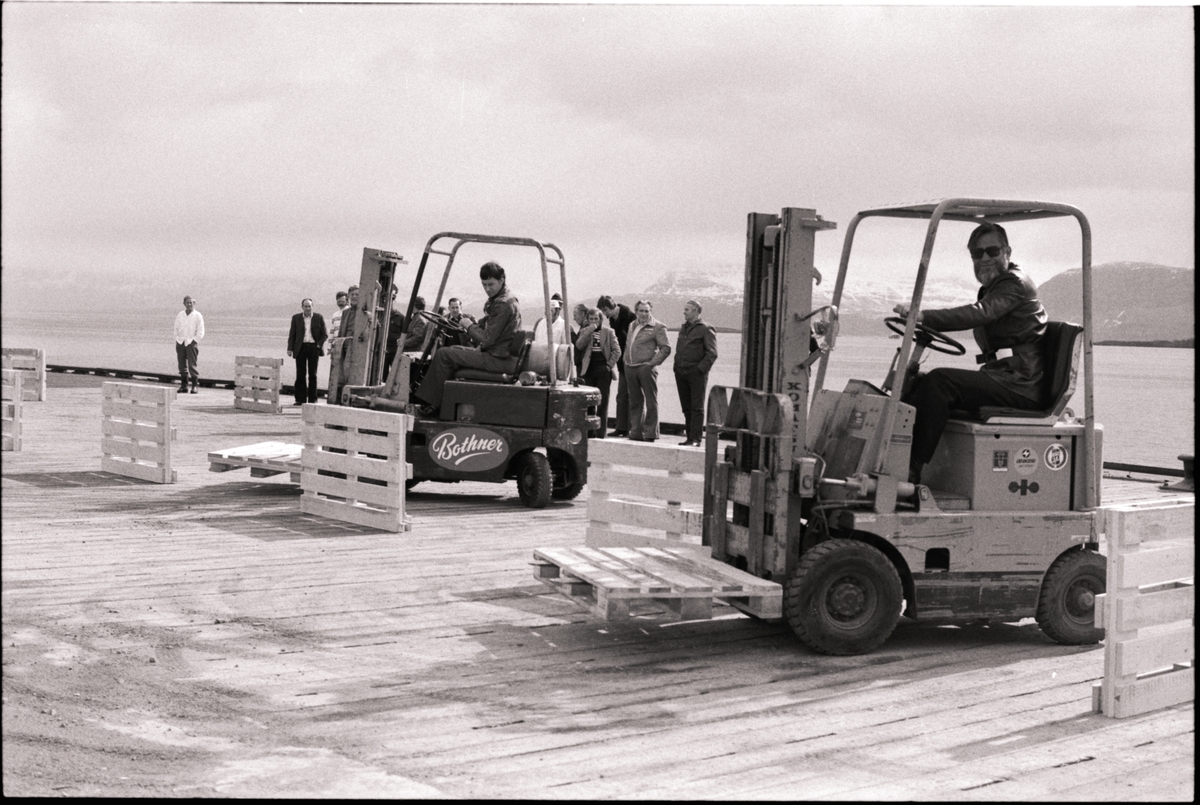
(927, 337)
(441, 321)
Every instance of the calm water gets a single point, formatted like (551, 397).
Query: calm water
(1145, 397)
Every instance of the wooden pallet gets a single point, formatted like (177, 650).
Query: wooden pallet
(264, 459)
(607, 580)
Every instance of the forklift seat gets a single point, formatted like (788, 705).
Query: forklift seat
(519, 346)
(1060, 345)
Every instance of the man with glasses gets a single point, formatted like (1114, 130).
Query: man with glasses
(1008, 321)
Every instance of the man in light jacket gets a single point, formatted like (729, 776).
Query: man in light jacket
(646, 347)
(189, 330)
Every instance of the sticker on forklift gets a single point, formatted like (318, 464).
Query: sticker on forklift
(1026, 461)
(1000, 461)
(1055, 457)
(469, 449)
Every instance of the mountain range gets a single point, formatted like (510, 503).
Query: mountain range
(1130, 301)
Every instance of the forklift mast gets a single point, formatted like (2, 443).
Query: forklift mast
(776, 332)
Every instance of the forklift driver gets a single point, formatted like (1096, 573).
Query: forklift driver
(1008, 322)
(492, 336)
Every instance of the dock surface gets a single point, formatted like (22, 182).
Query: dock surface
(205, 638)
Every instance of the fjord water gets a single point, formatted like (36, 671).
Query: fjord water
(1145, 396)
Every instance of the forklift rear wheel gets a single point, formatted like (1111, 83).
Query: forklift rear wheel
(845, 597)
(1067, 605)
(534, 481)
(567, 483)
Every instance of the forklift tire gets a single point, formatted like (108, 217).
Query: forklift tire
(845, 597)
(1067, 605)
(569, 492)
(566, 482)
(534, 481)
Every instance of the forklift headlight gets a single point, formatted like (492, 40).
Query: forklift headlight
(573, 436)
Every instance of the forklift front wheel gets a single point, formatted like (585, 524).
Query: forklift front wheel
(1067, 605)
(534, 481)
(844, 598)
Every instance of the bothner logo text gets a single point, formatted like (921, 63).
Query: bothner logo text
(452, 448)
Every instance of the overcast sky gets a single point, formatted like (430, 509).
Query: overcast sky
(245, 152)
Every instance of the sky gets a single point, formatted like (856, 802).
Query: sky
(247, 153)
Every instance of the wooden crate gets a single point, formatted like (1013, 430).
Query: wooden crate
(644, 493)
(1148, 608)
(256, 384)
(31, 363)
(137, 431)
(608, 580)
(263, 458)
(354, 466)
(10, 409)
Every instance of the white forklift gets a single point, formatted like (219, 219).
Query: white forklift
(806, 488)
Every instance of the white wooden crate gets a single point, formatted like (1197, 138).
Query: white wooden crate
(10, 410)
(644, 494)
(31, 363)
(137, 431)
(354, 466)
(1148, 608)
(256, 383)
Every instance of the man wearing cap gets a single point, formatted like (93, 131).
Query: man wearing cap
(558, 325)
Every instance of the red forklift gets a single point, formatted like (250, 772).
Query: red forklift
(529, 425)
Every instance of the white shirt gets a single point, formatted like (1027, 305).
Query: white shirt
(559, 329)
(189, 328)
(335, 322)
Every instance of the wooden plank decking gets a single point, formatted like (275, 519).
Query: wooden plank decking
(206, 638)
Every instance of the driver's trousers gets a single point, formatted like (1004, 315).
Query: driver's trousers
(941, 391)
(447, 359)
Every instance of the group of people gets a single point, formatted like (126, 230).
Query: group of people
(614, 343)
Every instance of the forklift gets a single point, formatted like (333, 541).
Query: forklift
(528, 425)
(814, 494)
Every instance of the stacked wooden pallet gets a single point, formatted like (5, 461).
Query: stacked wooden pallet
(608, 580)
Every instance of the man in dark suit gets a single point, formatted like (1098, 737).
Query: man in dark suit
(306, 343)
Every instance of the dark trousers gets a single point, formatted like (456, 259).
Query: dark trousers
(599, 375)
(941, 391)
(189, 363)
(449, 359)
(643, 402)
(306, 373)
(691, 387)
(622, 400)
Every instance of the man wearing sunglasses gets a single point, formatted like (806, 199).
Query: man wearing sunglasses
(1008, 321)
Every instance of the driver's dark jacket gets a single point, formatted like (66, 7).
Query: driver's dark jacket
(502, 317)
(1007, 315)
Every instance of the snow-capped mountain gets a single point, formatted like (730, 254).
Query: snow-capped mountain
(1132, 301)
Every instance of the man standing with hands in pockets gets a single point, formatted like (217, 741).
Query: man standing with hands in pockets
(189, 330)
(695, 353)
